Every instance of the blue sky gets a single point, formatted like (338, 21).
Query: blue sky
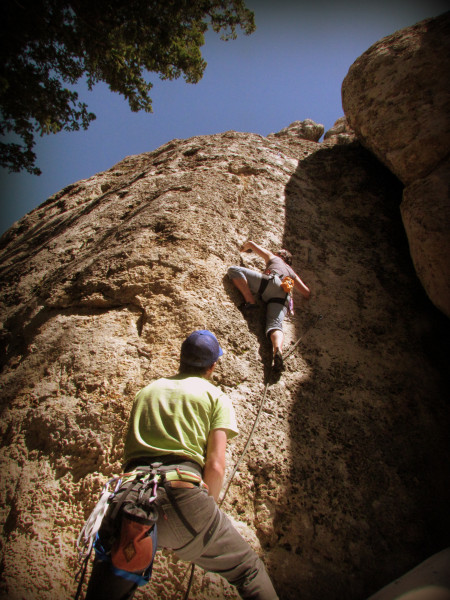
(290, 69)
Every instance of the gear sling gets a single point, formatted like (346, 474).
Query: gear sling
(122, 528)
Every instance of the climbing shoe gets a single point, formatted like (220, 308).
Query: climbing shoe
(247, 307)
(278, 364)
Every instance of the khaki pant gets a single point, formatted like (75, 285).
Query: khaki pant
(217, 547)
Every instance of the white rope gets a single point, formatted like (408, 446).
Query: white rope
(244, 451)
(312, 324)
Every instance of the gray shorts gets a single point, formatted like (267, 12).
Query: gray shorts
(275, 312)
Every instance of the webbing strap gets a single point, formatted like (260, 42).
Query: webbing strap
(278, 300)
(264, 283)
(179, 475)
(139, 580)
(262, 286)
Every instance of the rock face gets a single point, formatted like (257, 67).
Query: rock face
(340, 133)
(396, 97)
(344, 486)
(300, 130)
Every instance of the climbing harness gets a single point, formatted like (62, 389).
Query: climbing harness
(287, 285)
(311, 325)
(122, 527)
(265, 282)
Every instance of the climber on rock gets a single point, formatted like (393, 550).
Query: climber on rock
(179, 427)
(274, 286)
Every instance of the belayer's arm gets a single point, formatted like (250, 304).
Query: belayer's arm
(259, 250)
(214, 469)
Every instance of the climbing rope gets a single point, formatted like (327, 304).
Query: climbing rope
(236, 466)
(81, 574)
(312, 324)
(244, 451)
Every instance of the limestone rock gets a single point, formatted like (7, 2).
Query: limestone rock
(426, 215)
(396, 97)
(303, 130)
(340, 133)
(344, 485)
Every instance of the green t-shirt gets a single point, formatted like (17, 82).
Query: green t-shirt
(175, 415)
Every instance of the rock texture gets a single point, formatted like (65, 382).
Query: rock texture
(300, 130)
(396, 97)
(340, 133)
(344, 486)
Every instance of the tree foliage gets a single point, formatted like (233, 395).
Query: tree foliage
(48, 45)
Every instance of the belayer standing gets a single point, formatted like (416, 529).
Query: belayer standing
(179, 427)
(270, 286)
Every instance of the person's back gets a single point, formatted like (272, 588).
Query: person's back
(179, 427)
(174, 415)
(278, 266)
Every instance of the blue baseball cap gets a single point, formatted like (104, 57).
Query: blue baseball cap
(200, 349)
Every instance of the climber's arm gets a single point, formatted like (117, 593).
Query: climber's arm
(214, 469)
(259, 250)
(301, 287)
